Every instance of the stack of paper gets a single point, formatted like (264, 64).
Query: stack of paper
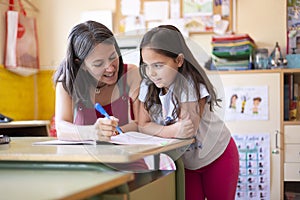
(126, 138)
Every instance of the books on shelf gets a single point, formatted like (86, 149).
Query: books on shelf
(291, 98)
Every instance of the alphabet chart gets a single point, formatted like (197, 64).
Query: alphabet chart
(254, 174)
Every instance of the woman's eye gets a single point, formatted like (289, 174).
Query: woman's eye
(98, 64)
(112, 57)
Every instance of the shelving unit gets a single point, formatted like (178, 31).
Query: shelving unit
(272, 80)
(291, 131)
(284, 133)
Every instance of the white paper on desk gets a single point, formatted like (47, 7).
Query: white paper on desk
(140, 138)
(126, 138)
(64, 142)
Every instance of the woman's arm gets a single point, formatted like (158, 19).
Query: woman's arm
(185, 127)
(133, 81)
(66, 130)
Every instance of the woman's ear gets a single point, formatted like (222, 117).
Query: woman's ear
(77, 61)
(180, 59)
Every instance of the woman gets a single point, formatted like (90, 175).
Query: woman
(93, 72)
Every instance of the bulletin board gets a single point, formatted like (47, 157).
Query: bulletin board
(144, 14)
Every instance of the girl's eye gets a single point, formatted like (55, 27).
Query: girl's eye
(144, 65)
(158, 65)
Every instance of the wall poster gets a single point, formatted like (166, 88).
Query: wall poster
(293, 26)
(246, 103)
(254, 176)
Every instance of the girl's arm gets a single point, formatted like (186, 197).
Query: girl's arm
(66, 130)
(133, 80)
(185, 127)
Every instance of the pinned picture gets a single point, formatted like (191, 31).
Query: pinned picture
(246, 103)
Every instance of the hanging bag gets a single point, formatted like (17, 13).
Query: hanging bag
(21, 49)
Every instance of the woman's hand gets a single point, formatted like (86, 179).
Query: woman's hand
(105, 128)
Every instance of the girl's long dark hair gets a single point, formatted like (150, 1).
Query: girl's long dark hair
(81, 41)
(168, 40)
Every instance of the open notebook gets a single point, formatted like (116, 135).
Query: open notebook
(126, 138)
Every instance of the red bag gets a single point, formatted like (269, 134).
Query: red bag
(21, 49)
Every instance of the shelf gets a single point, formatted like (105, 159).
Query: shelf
(246, 71)
(291, 70)
(280, 70)
(291, 122)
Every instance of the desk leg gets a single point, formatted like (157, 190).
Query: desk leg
(119, 193)
(156, 158)
(180, 180)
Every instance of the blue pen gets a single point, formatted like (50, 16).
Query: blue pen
(103, 112)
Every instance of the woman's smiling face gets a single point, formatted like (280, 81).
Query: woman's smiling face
(103, 63)
(160, 69)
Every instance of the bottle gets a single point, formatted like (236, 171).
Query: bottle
(276, 58)
(277, 54)
(261, 59)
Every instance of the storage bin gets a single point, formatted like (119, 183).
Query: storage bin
(293, 60)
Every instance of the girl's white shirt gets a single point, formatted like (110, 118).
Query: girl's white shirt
(212, 135)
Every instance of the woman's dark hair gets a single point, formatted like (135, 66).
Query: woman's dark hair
(81, 41)
(168, 40)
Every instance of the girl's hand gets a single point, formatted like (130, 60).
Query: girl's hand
(185, 128)
(105, 128)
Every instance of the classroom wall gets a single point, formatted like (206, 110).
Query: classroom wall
(33, 97)
(27, 98)
(55, 20)
(265, 21)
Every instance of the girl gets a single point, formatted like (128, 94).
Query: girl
(177, 102)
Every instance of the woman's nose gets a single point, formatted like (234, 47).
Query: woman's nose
(110, 67)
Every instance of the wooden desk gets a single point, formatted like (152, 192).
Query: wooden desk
(22, 149)
(58, 184)
(21, 153)
(25, 128)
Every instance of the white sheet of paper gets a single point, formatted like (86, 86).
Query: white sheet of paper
(126, 138)
(158, 10)
(130, 7)
(140, 138)
(64, 142)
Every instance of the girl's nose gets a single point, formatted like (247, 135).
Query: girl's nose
(152, 71)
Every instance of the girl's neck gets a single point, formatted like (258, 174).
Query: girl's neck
(164, 90)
